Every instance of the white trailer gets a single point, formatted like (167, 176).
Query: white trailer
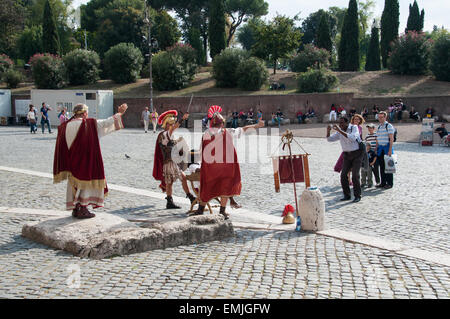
(100, 102)
(5, 106)
(5, 103)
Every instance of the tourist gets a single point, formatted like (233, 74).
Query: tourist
(310, 113)
(442, 131)
(385, 146)
(32, 120)
(333, 113)
(145, 118)
(44, 117)
(154, 119)
(234, 123)
(300, 117)
(259, 116)
(348, 136)
(352, 111)
(392, 109)
(367, 167)
(364, 113)
(79, 160)
(371, 138)
(62, 116)
(413, 114)
(429, 113)
(280, 117)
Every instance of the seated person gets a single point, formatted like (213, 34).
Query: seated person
(442, 131)
(279, 114)
(310, 113)
(234, 122)
(341, 111)
(352, 111)
(429, 112)
(413, 114)
(300, 117)
(259, 116)
(365, 113)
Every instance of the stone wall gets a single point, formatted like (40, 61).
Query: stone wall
(289, 104)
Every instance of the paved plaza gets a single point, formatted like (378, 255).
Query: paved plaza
(392, 244)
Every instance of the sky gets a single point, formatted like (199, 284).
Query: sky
(436, 11)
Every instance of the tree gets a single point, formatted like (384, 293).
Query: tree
(12, 16)
(241, 10)
(310, 26)
(50, 38)
(440, 57)
(193, 15)
(246, 33)
(323, 35)
(165, 29)
(217, 41)
(373, 62)
(29, 42)
(415, 19)
(276, 40)
(349, 45)
(389, 28)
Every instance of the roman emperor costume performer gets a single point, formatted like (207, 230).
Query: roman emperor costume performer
(165, 169)
(220, 174)
(78, 159)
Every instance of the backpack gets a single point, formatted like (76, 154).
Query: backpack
(395, 132)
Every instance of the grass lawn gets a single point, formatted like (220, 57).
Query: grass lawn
(363, 84)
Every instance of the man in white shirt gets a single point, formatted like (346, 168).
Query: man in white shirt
(349, 137)
(146, 118)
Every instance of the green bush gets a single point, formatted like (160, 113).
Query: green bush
(440, 58)
(82, 66)
(124, 63)
(188, 55)
(48, 71)
(225, 66)
(12, 78)
(310, 57)
(168, 72)
(410, 54)
(5, 64)
(252, 74)
(316, 80)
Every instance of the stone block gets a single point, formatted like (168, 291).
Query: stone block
(312, 210)
(311, 120)
(446, 117)
(108, 235)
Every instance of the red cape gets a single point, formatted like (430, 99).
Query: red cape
(219, 179)
(83, 162)
(158, 163)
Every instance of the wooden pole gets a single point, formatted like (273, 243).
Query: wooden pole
(306, 170)
(293, 177)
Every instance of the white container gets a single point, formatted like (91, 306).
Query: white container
(5, 103)
(100, 102)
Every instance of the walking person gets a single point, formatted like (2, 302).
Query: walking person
(44, 117)
(385, 143)
(145, 117)
(31, 117)
(154, 117)
(349, 137)
(62, 116)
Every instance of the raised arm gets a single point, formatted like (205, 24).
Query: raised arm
(113, 123)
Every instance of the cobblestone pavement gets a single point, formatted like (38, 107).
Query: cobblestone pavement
(254, 263)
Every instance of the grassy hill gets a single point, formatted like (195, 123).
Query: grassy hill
(363, 84)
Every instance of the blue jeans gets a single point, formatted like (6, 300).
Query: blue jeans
(33, 127)
(43, 125)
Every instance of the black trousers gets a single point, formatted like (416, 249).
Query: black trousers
(376, 171)
(352, 162)
(386, 179)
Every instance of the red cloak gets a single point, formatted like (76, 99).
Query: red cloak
(83, 162)
(217, 177)
(158, 163)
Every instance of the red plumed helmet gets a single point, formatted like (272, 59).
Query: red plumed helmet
(287, 209)
(163, 116)
(214, 109)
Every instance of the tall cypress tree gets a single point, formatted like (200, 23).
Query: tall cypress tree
(415, 19)
(373, 62)
(349, 46)
(323, 34)
(50, 38)
(217, 34)
(390, 21)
